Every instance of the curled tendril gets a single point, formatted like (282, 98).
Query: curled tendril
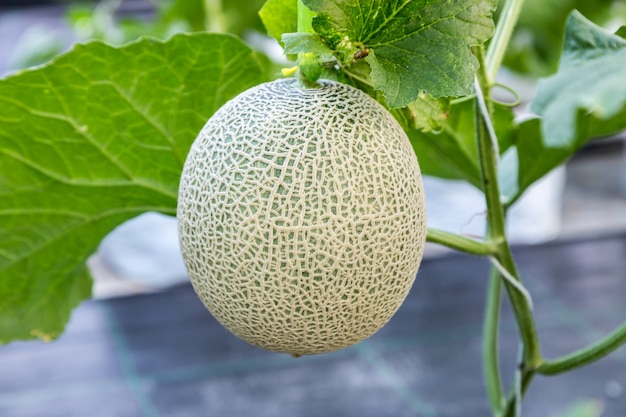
(516, 96)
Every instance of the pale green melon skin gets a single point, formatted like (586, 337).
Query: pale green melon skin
(301, 216)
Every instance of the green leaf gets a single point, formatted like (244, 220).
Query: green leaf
(583, 101)
(414, 46)
(451, 152)
(305, 42)
(529, 160)
(535, 158)
(428, 113)
(587, 96)
(279, 16)
(538, 39)
(94, 138)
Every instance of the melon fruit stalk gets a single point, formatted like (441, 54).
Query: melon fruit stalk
(301, 216)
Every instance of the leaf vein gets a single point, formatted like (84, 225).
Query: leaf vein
(89, 182)
(146, 116)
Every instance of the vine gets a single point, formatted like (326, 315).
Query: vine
(433, 65)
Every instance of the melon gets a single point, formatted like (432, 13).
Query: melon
(301, 216)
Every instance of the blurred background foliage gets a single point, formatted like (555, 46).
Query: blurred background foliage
(534, 50)
(120, 21)
(538, 39)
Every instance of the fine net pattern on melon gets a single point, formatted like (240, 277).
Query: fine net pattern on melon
(301, 216)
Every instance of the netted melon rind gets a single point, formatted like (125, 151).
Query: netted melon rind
(301, 216)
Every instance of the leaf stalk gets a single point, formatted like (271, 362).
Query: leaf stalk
(525, 376)
(586, 355)
(460, 243)
(502, 36)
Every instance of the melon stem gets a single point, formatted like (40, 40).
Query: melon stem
(309, 69)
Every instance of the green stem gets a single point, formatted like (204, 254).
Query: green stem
(309, 69)
(523, 315)
(586, 355)
(496, 231)
(511, 404)
(214, 16)
(305, 18)
(502, 36)
(460, 243)
(487, 145)
(491, 362)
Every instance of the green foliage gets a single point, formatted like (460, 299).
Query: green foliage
(104, 21)
(411, 47)
(171, 16)
(307, 43)
(450, 151)
(586, 98)
(189, 12)
(279, 16)
(538, 39)
(94, 138)
(99, 135)
(428, 113)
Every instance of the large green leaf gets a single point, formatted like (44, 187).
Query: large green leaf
(88, 141)
(412, 46)
(587, 96)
